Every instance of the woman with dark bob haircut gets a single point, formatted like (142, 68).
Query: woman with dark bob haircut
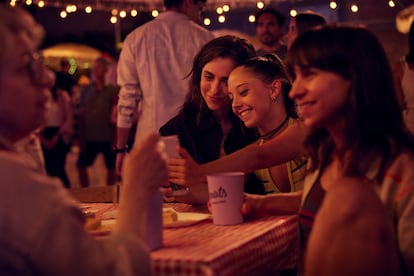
(356, 212)
(360, 190)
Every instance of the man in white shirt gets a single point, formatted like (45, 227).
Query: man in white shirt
(152, 69)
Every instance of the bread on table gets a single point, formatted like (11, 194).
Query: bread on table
(169, 216)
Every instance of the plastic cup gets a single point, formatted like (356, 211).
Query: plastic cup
(226, 197)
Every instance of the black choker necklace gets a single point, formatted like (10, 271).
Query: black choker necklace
(275, 130)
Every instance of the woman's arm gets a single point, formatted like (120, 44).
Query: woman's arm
(272, 204)
(286, 146)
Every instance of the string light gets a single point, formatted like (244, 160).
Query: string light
(154, 13)
(221, 19)
(207, 21)
(130, 7)
(260, 5)
(354, 8)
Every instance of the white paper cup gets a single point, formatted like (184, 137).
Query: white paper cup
(226, 197)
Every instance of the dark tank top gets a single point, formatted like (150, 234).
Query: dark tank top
(308, 211)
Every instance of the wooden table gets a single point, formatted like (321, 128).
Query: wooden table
(259, 246)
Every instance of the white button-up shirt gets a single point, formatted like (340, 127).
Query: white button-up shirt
(152, 69)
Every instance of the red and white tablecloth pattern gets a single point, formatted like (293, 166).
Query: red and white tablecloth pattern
(259, 246)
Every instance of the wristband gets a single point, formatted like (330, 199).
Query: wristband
(124, 149)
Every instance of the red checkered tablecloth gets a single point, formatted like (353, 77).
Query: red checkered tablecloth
(256, 247)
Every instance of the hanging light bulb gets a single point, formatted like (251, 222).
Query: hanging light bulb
(221, 19)
(354, 8)
(114, 19)
(207, 21)
(63, 14)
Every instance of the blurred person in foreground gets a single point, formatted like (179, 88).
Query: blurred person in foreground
(356, 213)
(42, 228)
(154, 61)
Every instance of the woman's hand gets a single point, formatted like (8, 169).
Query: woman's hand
(251, 205)
(143, 173)
(144, 168)
(185, 171)
(196, 195)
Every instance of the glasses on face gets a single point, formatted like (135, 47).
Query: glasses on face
(38, 72)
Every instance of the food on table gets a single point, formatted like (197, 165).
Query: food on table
(169, 216)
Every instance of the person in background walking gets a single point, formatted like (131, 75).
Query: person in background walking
(57, 133)
(96, 129)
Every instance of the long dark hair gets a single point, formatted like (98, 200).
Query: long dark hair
(268, 68)
(374, 125)
(228, 46)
